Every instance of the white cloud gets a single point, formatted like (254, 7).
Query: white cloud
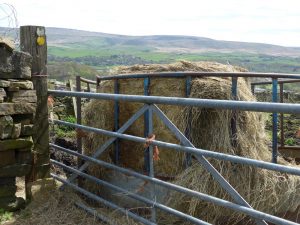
(270, 21)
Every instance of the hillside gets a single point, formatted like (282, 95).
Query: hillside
(102, 51)
(60, 37)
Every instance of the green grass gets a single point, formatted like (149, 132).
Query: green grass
(104, 52)
(5, 216)
(254, 62)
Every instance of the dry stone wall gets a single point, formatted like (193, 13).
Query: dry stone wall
(17, 109)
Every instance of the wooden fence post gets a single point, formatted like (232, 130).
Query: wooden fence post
(33, 41)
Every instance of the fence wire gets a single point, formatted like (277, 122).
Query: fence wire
(9, 24)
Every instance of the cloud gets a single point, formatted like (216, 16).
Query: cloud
(267, 21)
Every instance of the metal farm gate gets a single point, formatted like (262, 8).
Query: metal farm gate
(149, 109)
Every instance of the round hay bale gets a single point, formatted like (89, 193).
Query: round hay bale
(99, 114)
(211, 129)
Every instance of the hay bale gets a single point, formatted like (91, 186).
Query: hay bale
(268, 191)
(98, 113)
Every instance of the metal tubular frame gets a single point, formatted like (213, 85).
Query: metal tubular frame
(198, 151)
(116, 122)
(281, 84)
(101, 200)
(146, 127)
(199, 74)
(201, 196)
(205, 103)
(281, 117)
(152, 203)
(148, 109)
(102, 148)
(234, 93)
(78, 118)
(187, 133)
(274, 122)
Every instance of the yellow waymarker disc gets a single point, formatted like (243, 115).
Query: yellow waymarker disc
(40, 40)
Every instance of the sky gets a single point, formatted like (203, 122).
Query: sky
(264, 21)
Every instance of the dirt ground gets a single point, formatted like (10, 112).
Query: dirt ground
(51, 206)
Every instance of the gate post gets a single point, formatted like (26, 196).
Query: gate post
(33, 41)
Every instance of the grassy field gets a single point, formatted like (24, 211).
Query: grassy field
(253, 62)
(73, 51)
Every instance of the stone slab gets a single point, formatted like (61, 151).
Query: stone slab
(15, 65)
(23, 85)
(27, 130)
(16, 132)
(17, 108)
(30, 99)
(13, 144)
(28, 96)
(7, 158)
(3, 95)
(4, 83)
(6, 127)
(15, 170)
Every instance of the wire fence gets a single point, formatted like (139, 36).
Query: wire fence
(9, 24)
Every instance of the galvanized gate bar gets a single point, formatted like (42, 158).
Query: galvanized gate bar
(205, 103)
(281, 117)
(78, 120)
(200, 74)
(234, 93)
(99, 151)
(198, 151)
(187, 132)
(281, 81)
(103, 201)
(274, 121)
(94, 213)
(150, 159)
(116, 122)
(146, 126)
(202, 196)
(132, 195)
(199, 154)
(204, 162)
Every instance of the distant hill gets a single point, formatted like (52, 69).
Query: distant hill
(165, 43)
(62, 37)
(103, 51)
